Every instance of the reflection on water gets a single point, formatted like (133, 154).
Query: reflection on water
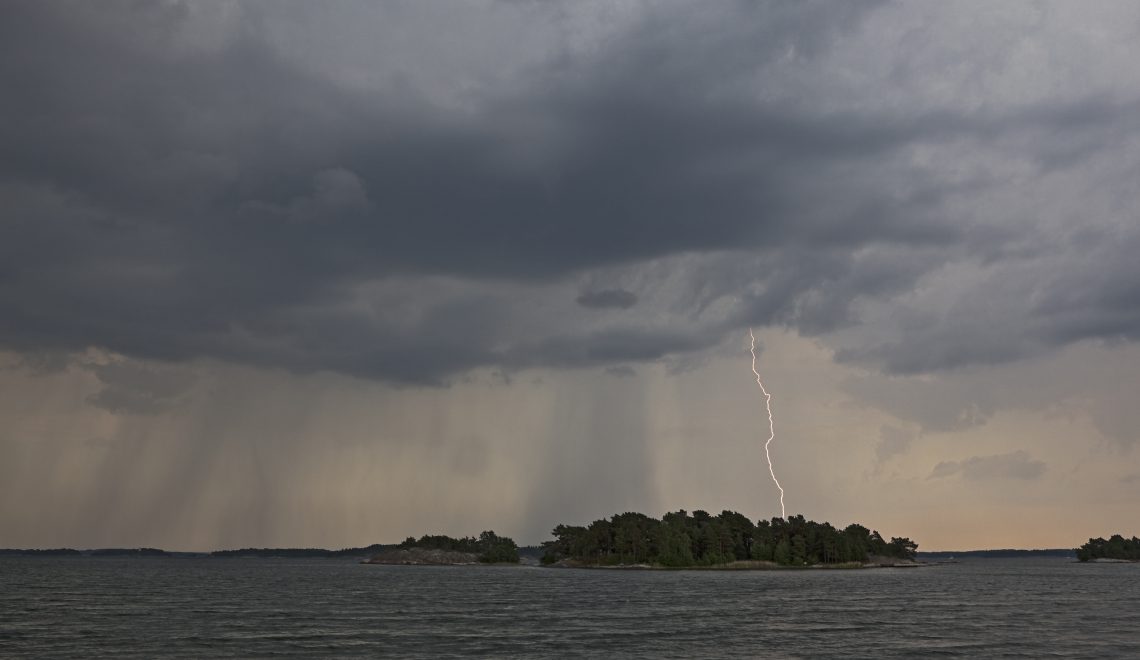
(242, 607)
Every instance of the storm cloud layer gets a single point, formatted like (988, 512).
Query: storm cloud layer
(405, 192)
(362, 267)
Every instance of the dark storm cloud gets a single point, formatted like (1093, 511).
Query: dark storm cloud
(608, 298)
(38, 363)
(172, 192)
(1102, 300)
(171, 205)
(1082, 290)
(604, 347)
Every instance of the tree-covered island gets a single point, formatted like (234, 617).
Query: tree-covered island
(683, 540)
(488, 548)
(1115, 548)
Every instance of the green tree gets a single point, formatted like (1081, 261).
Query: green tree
(799, 550)
(783, 553)
(495, 549)
(903, 548)
(761, 551)
(675, 548)
(741, 532)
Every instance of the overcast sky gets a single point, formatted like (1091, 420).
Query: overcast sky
(297, 273)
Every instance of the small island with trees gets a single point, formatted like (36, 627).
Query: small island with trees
(1116, 548)
(488, 548)
(727, 540)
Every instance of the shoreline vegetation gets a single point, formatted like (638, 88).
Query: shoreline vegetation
(1115, 549)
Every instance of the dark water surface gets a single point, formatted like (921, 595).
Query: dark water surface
(140, 607)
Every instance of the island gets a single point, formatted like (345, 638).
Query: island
(487, 548)
(303, 553)
(39, 552)
(95, 552)
(128, 552)
(1116, 548)
(727, 540)
(951, 556)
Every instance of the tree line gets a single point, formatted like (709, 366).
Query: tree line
(489, 546)
(680, 539)
(302, 553)
(1116, 547)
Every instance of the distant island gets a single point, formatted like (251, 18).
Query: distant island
(98, 552)
(1116, 548)
(730, 540)
(488, 548)
(39, 552)
(1002, 553)
(299, 553)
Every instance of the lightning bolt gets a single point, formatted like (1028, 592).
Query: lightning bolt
(771, 426)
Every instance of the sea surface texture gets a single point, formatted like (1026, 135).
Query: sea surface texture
(202, 607)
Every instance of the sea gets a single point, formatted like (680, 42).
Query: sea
(130, 607)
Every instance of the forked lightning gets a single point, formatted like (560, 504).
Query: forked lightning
(771, 426)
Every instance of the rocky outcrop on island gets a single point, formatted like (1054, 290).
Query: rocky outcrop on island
(424, 557)
(882, 561)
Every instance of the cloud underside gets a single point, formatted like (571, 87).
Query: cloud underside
(184, 182)
(893, 441)
(1014, 465)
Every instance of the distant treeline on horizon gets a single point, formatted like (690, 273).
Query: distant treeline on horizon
(490, 547)
(155, 552)
(97, 552)
(999, 553)
(304, 552)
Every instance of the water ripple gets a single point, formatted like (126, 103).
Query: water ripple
(150, 607)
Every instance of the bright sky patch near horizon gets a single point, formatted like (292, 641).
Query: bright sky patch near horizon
(287, 274)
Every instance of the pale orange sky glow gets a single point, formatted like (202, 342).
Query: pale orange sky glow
(245, 458)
